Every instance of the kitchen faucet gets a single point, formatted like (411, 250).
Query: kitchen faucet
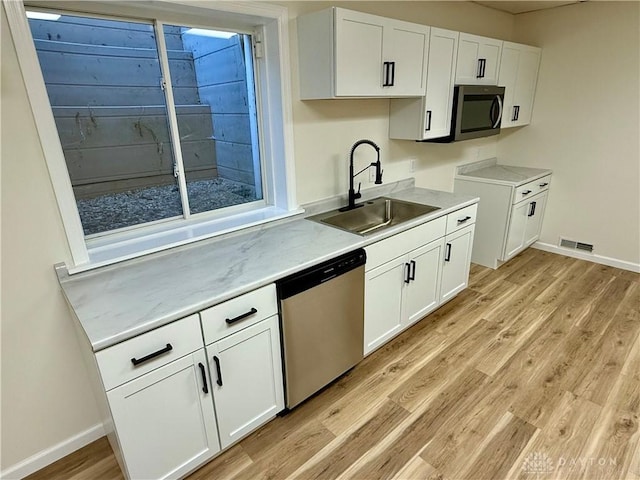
(352, 193)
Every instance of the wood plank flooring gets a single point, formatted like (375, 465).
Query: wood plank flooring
(533, 372)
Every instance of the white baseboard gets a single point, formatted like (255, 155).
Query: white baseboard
(590, 257)
(48, 456)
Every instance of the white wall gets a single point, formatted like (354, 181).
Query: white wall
(45, 396)
(586, 124)
(45, 393)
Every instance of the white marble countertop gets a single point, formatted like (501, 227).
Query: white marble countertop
(115, 303)
(490, 172)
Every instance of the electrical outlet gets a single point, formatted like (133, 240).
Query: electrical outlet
(372, 175)
(412, 165)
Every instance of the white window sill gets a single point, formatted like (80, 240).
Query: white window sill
(108, 253)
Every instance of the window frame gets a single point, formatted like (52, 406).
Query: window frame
(268, 25)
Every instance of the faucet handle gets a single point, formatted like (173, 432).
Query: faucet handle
(358, 194)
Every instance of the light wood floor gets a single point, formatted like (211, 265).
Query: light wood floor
(533, 372)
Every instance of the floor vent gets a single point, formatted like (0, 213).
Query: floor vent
(585, 247)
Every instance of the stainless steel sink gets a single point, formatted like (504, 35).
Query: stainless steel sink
(374, 215)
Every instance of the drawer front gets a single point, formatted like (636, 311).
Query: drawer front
(543, 183)
(402, 243)
(132, 358)
(532, 188)
(239, 312)
(461, 218)
(525, 191)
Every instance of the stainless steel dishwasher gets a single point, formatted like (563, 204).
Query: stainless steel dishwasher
(322, 313)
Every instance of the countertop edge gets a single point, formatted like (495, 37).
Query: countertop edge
(358, 242)
(471, 178)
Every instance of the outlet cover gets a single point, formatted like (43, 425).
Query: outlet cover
(372, 175)
(412, 165)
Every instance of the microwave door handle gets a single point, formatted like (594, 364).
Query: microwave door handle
(499, 117)
(492, 111)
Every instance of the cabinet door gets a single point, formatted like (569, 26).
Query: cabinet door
(443, 49)
(534, 218)
(246, 370)
(383, 302)
(518, 74)
(359, 60)
(490, 51)
(478, 60)
(526, 84)
(467, 68)
(517, 227)
(507, 79)
(406, 51)
(456, 263)
(165, 420)
(421, 294)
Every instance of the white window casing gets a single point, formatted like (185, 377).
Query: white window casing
(268, 23)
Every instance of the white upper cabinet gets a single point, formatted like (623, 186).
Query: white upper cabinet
(429, 116)
(518, 74)
(343, 53)
(478, 60)
(405, 48)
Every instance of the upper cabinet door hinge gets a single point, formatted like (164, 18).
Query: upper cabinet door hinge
(258, 46)
(163, 84)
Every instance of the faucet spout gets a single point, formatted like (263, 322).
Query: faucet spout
(353, 195)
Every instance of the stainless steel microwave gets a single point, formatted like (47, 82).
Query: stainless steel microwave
(477, 112)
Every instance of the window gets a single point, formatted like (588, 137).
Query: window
(170, 131)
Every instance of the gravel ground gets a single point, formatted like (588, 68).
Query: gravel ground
(133, 207)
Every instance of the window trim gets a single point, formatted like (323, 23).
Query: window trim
(276, 127)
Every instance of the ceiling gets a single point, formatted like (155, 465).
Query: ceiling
(516, 7)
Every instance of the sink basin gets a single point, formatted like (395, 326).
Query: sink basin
(374, 215)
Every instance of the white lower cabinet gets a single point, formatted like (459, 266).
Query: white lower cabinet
(421, 291)
(525, 224)
(246, 370)
(169, 404)
(510, 213)
(383, 303)
(457, 260)
(165, 420)
(401, 290)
